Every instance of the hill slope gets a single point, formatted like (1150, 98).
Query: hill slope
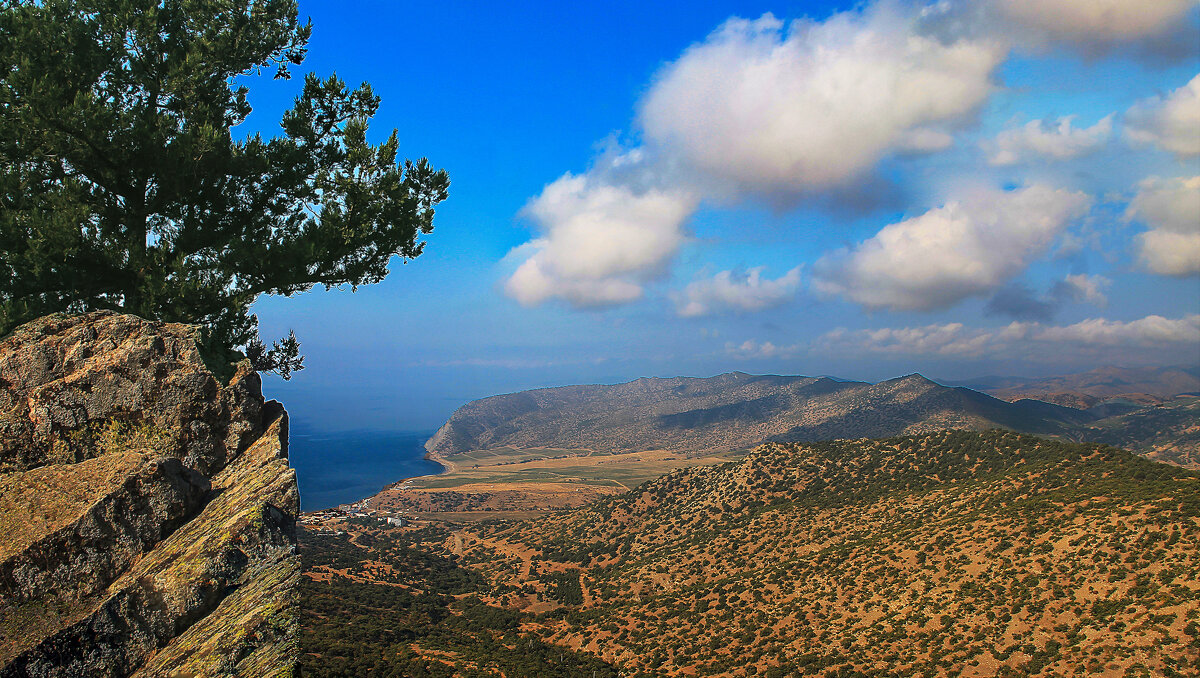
(1168, 432)
(953, 553)
(733, 411)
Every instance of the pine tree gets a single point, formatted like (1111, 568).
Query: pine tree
(122, 185)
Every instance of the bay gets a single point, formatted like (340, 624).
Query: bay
(340, 467)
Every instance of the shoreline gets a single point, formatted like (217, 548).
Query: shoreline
(367, 494)
(447, 465)
(447, 468)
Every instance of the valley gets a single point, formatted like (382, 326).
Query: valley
(496, 483)
(948, 553)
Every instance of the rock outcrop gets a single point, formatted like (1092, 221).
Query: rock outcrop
(148, 509)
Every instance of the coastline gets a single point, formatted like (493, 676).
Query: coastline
(344, 467)
(447, 467)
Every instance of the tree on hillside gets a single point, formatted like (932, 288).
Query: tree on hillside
(122, 186)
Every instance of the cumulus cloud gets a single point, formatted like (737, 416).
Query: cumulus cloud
(787, 110)
(729, 291)
(941, 339)
(1157, 337)
(949, 253)
(1096, 26)
(1111, 19)
(758, 108)
(1153, 330)
(1172, 123)
(1056, 141)
(600, 242)
(1171, 208)
(751, 349)
(780, 109)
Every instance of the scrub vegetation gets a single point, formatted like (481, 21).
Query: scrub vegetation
(946, 554)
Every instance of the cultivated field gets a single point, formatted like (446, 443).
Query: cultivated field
(499, 481)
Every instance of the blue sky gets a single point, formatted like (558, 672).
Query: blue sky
(862, 190)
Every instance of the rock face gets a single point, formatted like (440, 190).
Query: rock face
(148, 510)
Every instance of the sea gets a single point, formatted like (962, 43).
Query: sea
(340, 467)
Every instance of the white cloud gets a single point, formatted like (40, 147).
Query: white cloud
(730, 291)
(1172, 123)
(1059, 141)
(962, 249)
(924, 140)
(1085, 288)
(784, 110)
(751, 349)
(1169, 253)
(940, 339)
(1149, 331)
(757, 108)
(1149, 339)
(600, 242)
(1095, 24)
(779, 110)
(1171, 208)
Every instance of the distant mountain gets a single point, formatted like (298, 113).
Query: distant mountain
(1145, 385)
(735, 411)
(1169, 432)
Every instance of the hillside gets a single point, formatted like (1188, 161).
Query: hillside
(947, 554)
(380, 601)
(1145, 385)
(1168, 432)
(148, 509)
(733, 411)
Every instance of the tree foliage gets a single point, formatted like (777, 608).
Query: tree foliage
(123, 185)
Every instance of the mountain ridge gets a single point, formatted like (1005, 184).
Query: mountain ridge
(1083, 390)
(734, 410)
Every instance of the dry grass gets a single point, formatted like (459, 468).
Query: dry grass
(493, 482)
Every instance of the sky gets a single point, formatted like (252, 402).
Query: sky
(862, 190)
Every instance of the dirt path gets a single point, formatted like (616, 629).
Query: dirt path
(588, 600)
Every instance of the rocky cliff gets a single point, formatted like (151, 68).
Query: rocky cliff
(148, 510)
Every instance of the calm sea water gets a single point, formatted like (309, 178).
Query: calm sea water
(340, 467)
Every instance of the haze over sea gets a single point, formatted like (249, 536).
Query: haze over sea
(339, 467)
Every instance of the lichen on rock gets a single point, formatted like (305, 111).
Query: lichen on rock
(149, 509)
